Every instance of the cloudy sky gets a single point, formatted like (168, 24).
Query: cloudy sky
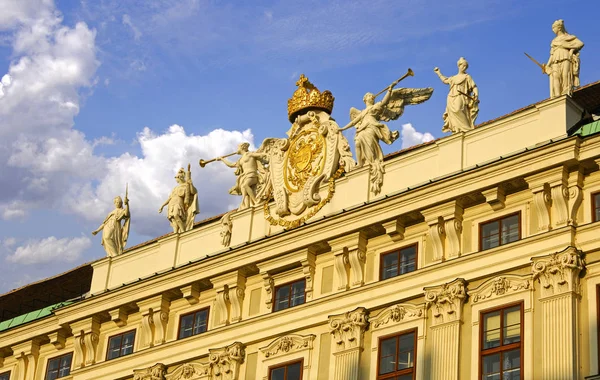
(95, 94)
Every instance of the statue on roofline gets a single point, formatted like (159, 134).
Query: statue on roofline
(462, 104)
(114, 235)
(563, 64)
(182, 202)
(370, 131)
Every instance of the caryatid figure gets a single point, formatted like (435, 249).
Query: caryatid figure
(563, 65)
(182, 203)
(462, 103)
(114, 235)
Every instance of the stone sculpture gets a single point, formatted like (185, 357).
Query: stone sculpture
(462, 104)
(370, 131)
(114, 235)
(226, 229)
(182, 202)
(563, 65)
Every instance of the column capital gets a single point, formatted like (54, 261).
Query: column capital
(558, 272)
(348, 328)
(446, 300)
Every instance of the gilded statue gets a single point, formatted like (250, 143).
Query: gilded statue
(182, 202)
(370, 131)
(462, 103)
(563, 65)
(115, 234)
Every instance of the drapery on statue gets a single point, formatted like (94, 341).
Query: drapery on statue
(183, 202)
(462, 104)
(563, 64)
(114, 235)
(250, 174)
(369, 129)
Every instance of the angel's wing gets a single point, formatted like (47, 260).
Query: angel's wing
(354, 113)
(404, 96)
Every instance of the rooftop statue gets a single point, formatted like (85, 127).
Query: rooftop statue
(369, 129)
(462, 104)
(563, 64)
(114, 235)
(182, 202)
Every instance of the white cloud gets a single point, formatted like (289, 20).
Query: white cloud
(9, 242)
(136, 32)
(50, 250)
(411, 137)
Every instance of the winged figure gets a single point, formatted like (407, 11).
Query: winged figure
(370, 130)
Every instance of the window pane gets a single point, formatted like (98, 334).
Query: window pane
(510, 229)
(387, 358)
(185, 328)
(65, 365)
(490, 367)
(491, 330)
(490, 235)
(127, 346)
(114, 347)
(298, 290)
(278, 373)
(512, 325)
(408, 259)
(5, 376)
(597, 207)
(200, 322)
(390, 265)
(52, 370)
(293, 371)
(406, 351)
(282, 298)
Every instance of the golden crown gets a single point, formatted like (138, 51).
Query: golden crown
(307, 96)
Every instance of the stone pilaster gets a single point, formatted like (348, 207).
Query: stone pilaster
(348, 331)
(27, 356)
(558, 275)
(446, 303)
(349, 254)
(155, 316)
(86, 334)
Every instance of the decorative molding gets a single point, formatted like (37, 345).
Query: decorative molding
(500, 286)
(222, 306)
(342, 267)
(348, 328)
(191, 292)
(349, 258)
(86, 335)
(454, 227)
(288, 344)
(437, 234)
(558, 272)
(445, 225)
(395, 229)
(308, 270)
(223, 364)
(269, 285)
(495, 197)
(155, 316)
(446, 301)
(58, 339)
(156, 372)
(27, 355)
(119, 316)
(231, 291)
(397, 313)
(575, 195)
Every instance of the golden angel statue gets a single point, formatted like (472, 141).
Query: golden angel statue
(182, 202)
(563, 64)
(114, 235)
(370, 130)
(462, 103)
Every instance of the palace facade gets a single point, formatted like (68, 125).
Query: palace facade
(478, 259)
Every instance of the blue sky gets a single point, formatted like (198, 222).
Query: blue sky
(97, 93)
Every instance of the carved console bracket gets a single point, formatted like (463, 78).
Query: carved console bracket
(231, 290)
(495, 197)
(58, 339)
(155, 315)
(350, 255)
(445, 229)
(119, 316)
(191, 292)
(395, 229)
(446, 301)
(27, 355)
(558, 273)
(223, 364)
(156, 372)
(551, 197)
(86, 334)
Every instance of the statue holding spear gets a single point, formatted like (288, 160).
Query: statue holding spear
(114, 235)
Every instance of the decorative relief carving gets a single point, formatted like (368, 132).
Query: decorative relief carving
(86, 334)
(342, 266)
(397, 313)
(558, 272)
(348, 329)
(269, 285)
(155, 315)
(574, 195)
(223, 364)
(453, 228)
(27, 355)
(156, 372)
(287, 344)
(446, 300)
(541, 202)
(308, 270)
(222, 306)
(437, 233)
(226, 229)
(499, 286)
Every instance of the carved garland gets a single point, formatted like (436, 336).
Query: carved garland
(289, 224)
(287, 344)
(499, 286)
(396, 314)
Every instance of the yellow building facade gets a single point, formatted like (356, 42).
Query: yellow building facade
(478, 259)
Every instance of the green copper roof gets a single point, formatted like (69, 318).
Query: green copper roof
(588, 129)
(31, 316)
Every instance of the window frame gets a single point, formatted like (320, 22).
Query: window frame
(289, 283)
(285, 364)
(6, 373)
(499, 219)
(502, 347)
(595, 205)
(58, 358)
(121, 345)
(406, 371)
(207, 308)
(398, 250)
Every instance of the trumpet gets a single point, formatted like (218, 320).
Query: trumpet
(409, 73)
(203, 163)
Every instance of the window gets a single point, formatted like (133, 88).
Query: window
(289, 371)
(596, 207)
(5, 376)
(500, 231)
(398, 262)
(58, 367)
(397, 356)
(501, 342)
(193, 323)
(120, 345)
(289, 295)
